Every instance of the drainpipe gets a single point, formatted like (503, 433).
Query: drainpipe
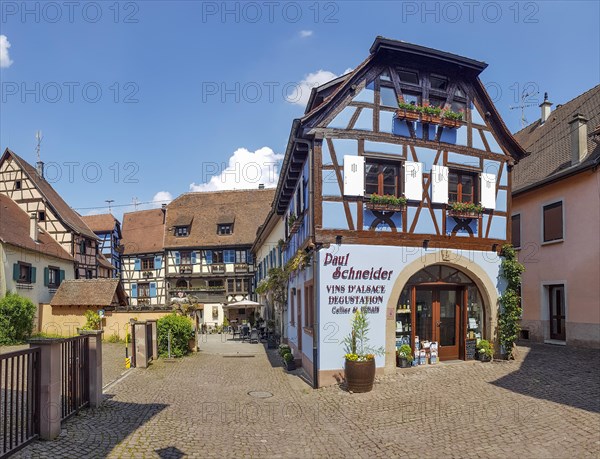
(314, 264)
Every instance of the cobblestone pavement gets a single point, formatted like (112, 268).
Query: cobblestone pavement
(544, 405)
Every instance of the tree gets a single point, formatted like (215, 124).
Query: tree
(16, 319)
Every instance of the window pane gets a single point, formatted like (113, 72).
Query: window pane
(516, 230)
(388, 97)
(440, 83)
(414, 99)
(553, 224)
(408, 77)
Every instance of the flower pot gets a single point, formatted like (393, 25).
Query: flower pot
(451, 123)
(463, 214)
(403, 362)
(384, 207)
(431, 119)
(360, 376)
(484, 358)
(291, 365)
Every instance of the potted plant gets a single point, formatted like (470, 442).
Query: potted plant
(409, 112)
(386, 203)
(465, 209)
(404, 356)
(284, 349)
(452, 119)
(293, 223)
(485, 350)
(288, 359)
(360, 357)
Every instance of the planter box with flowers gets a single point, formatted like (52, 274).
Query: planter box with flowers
(294, 223)
(452, 119)
(429, 114)
(386, 203)
(465, 210)
(408, 112)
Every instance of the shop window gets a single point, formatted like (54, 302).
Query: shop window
(475, 318)
(515, 221)
(382, 178)
(553, 222)
(462, 186)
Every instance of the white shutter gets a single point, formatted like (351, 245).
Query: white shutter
(354, 175)
(413, 180)
(488, 190)
(439, 184)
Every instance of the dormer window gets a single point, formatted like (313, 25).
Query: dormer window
(225, 228)
(182, 231)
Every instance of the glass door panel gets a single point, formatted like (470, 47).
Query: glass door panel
(424, 315)
(448, 318)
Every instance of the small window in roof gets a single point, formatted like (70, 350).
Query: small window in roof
(438, 82)
(408, 77)
(18, 185)
(225, 228)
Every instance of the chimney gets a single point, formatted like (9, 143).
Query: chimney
(261, 186)
(33, 227)
(164, 211)
(579, 136)
(39, 167)
(545, 106)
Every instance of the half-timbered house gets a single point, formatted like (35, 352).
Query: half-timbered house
(208, 241)
(108, 230)
(143, 270)
(396, 191)
(27, 186)
(32, 263)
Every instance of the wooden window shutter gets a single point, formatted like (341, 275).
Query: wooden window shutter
(46, 276)
(133, 290)
(61, 276)
(413, 180)
(152, 289)
(516, 230)
(33, 274)
(137, 264)
(488, 190)
(439, 184)
(553, 222)
(193, 258)
(177, 258)
(157, 262)
(16, 272)
(354, 175)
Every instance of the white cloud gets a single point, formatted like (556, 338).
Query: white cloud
(160, 198)
(245, 170)
(4, 57)
(301, 92)
(306, 33)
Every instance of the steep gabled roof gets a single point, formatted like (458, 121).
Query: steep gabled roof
(101, 223)
(90, 293)
(248, 209)
(63, 211)
(14, 230)
(143, 232)
(550, 143)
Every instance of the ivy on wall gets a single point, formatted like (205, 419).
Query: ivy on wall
(509, 316)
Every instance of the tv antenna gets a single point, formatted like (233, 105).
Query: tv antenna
(109, 201)
(38, 137)
(523, 105)
(135, 202)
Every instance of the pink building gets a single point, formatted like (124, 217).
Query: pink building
(556, 221)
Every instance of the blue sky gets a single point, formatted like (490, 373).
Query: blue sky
(186, 84)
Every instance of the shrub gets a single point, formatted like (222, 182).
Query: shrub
(484, 347)
(405, 352)
(16, 319)
(284, 349)
(288, 357)
(92, 320)
(114, 338)
(509, 324)
(181, 333)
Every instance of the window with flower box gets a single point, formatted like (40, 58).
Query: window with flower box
(383, 178)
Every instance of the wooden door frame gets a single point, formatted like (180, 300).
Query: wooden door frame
(562, 316)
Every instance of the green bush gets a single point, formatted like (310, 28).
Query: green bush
(181, 333)
(288, 357)
(92, 320)
(114, 338)
(16, 319)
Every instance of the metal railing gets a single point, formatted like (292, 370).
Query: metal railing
(19, 399)
(74, 375)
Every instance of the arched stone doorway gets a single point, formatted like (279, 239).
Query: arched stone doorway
(450, 301)
(440, 304)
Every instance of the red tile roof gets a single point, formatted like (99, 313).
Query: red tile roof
(143, 232)
(102, 223)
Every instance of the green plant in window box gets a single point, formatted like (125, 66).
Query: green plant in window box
(407, 111)
(465, 209)
(452, 118)
(386, 202)
(432, 114)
